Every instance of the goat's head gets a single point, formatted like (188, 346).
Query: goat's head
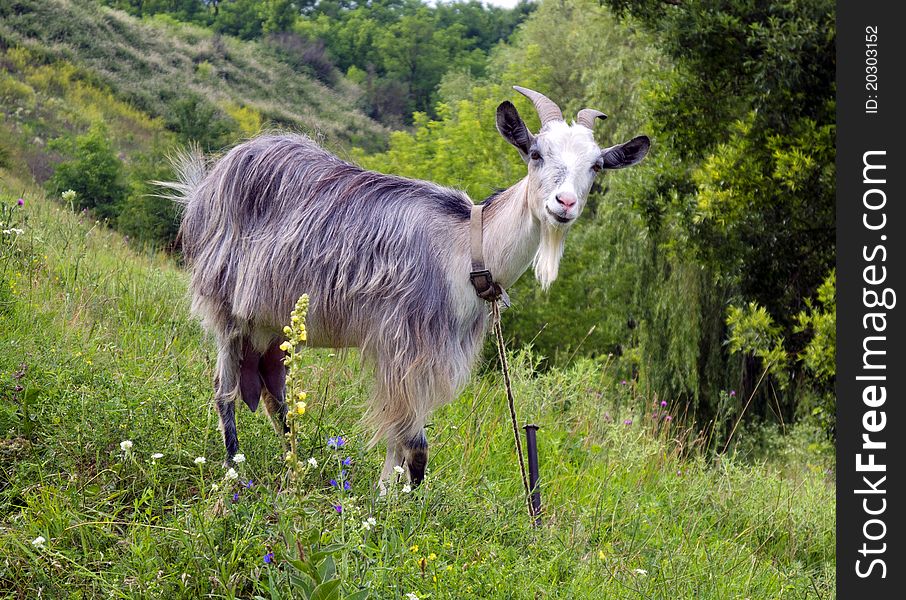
(562, 159)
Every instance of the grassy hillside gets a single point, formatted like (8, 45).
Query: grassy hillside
(97, 348)
(152, 64)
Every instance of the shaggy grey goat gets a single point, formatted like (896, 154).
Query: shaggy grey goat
(385, 261)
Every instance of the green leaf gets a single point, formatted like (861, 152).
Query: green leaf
(329, 590)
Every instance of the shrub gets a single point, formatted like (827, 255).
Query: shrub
(94, 172)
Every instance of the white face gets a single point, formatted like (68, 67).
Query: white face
(563, 162)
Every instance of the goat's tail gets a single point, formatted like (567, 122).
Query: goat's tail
(190, 167)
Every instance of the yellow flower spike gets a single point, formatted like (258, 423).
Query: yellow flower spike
(286, 346)
(303, 337)
(300, 408)
(287, 330)
(302, 395)
(413, 548)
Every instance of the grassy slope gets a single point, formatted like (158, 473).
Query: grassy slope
(149, 62)
(112, 355)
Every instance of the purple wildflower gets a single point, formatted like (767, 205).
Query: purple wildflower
(269, 558)
(336, 442)
(623, 382)
(235, 497)
(347, 461)
(627, 422)
(343, 473)
(668, 418)
(333, 483)
(663, 404)
(732, 393)
(338, 508)
(249, 484)
(20, 202)
(347, 486)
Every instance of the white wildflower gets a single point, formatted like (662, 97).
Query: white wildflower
(640, 571)
(126, 445)
(313, 462)
(200, 460)
(372, 521)
(68, 195)
(239, 458)
(407, 488)
(232, 474)
(398, 469)
(411, 596)
(368, 523)
(157, 456)
(13, 230)
(38, 542)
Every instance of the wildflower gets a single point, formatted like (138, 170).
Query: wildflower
(313, 462)
(239, 458)
(269, 558)
(627, 422)
(126, 445)
(333, 483)
(640, 571)
(411, 596)
(336, 442)
(668, 418)
(286, 346)
(347, 461)
(432, 556)
(623, 382)
(287, 330)
(338, 508)
(368, 523)
(235, 497)
(601, 554)
(248, 484)
(20, 202)
(347, 486)
(200, 460)
(407, 488)
(38, 542)
(732, 393)
(398, 469)
(232, 474)
(413, 548)
(302, 395)
(663, 404)
(157, 456)
(300, 407)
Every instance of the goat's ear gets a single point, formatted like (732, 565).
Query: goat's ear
(626, 154)
(513, 129)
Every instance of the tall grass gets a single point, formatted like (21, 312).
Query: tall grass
(97, 348)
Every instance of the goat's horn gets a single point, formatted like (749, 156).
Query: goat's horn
(547, 110)
(587, 117)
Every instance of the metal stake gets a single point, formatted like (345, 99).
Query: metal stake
(531, 444)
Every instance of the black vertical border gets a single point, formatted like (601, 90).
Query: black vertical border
(857, 133)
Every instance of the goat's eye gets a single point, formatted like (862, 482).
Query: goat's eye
(535, 155)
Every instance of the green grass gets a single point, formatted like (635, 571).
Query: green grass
(110, 354)
(149, 63)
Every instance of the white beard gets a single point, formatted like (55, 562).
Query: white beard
(547, 259)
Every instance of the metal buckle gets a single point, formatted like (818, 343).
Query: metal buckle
(484, 285)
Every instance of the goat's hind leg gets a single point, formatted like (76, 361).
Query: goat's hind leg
(273, 374)
(415, 451)
(226, 389)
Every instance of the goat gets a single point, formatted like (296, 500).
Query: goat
(384, 259)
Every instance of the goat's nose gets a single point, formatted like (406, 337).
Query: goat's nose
(566, 199)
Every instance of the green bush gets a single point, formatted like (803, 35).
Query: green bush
(95, 172)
